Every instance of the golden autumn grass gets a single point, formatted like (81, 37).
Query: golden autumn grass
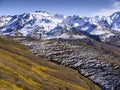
(20, 70)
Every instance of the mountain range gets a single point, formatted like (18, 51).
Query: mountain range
(90, 45)
(41, 24)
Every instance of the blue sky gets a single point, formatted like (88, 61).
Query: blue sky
(66, 7)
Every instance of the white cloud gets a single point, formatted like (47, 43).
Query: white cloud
(107, 12)
(116, 5)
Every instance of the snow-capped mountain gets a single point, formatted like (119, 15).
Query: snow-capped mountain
(29, 23)
(41, 24)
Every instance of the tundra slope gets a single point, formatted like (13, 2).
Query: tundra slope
(20, 70)
(102, 67)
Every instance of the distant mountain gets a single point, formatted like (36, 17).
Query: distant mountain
(41, 24)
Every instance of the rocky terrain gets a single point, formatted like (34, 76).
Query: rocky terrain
(20, 70)
(102, 67)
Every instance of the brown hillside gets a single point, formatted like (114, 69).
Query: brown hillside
(19, 70)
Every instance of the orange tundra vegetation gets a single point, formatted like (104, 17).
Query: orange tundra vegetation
(20, 70)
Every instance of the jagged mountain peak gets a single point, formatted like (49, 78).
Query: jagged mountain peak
(41, 12)
(115, 16)
(42, 23)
